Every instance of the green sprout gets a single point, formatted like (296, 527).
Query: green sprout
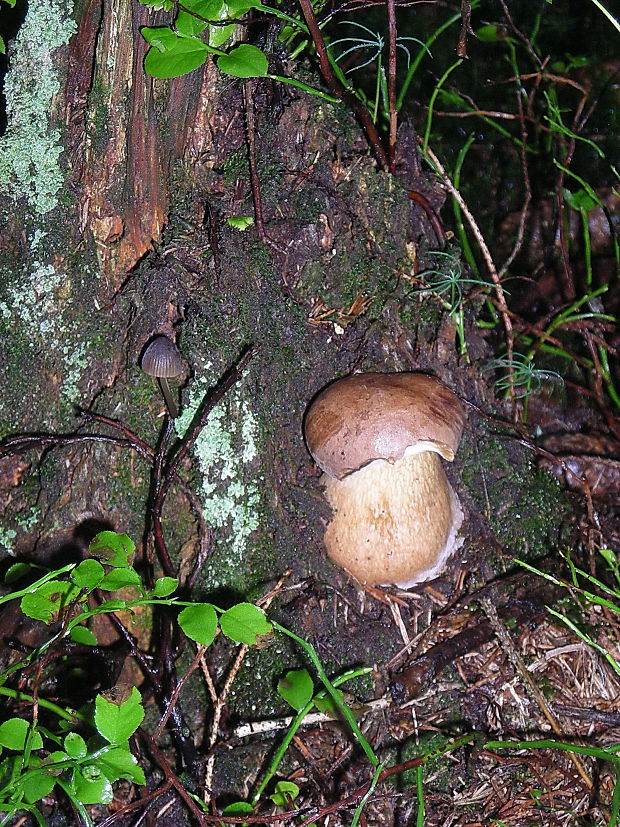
(522, 377)
(375, 43)
(447, 284)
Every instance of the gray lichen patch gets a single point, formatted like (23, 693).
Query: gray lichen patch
(41, 319)
(30, 148)
(229, 487)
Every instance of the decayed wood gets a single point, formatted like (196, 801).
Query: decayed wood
(120, 156)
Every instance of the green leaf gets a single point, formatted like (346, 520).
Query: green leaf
(119, 578)
(285, 793)
(209, 9)
(113, 606)
(17, 570)
(172, 55)
(244, 623)
(326, 704)
(158, 5)
(54, 758)
(493, 33)
(580, 200)
(241, 222)
(48, 599)
(237, 807)
(83, 636)
(188, 25)
(13, 734)
(37, 785)
(116, 722)
(164, 586)
(297, 688)
(75, 745)
(610, 558)
(244, 61)
(90, 786)
(218, 35)
(87, 574)
(236, 8)
(112, 548)
(120, 763)
(199, 622)
(212, 11)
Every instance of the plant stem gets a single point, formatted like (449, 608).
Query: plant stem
(391, 78)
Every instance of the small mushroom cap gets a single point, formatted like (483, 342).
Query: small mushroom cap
(162, 358)
(386, 416)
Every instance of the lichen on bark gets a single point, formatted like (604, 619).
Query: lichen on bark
(30, 148)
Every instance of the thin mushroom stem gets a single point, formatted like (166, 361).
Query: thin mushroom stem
(173, 408)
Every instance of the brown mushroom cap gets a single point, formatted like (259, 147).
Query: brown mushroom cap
(162, 358)
(387, 416)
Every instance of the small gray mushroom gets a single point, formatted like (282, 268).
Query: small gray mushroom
(163, 360)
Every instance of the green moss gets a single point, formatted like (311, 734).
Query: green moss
(524, 505)
(29, 149)
(254, 692)
(99, 116)
(236, 166)
(429, 745)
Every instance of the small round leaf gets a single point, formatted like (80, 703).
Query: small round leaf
(75, 745)
(245, 61)
(296, 688)
(84, 636)
(199, 622)
(244, 623)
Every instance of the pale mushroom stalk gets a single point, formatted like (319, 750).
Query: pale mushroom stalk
(173, 408)
(163, 360)
(379, 439)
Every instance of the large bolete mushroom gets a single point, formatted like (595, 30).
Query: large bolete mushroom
(379, 437)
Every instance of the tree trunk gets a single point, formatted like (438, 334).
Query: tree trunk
(117, 230)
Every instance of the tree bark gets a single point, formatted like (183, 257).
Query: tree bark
(133, 240)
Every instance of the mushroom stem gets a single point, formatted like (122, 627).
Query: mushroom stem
(393, 522)
(172, 406)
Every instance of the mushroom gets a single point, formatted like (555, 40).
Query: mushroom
(163, 360)
(378, 438)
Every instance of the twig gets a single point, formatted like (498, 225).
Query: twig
(120, 426)
(171, 776)
(510, 649)
(212, 399)
(335, 87)
(142, 802)
(25, 443)
(248, 108)
(461, 46)
(222, 698)
(391, 11)
(174, 695)
(157, 480)
(528, 193)
(178, 728)
(499, 290)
